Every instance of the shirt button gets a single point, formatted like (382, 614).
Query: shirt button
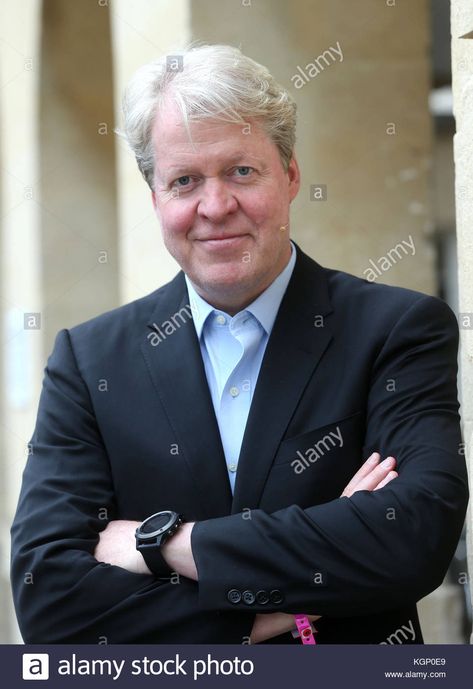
(234, 392)
(221, 320)
(232, 467)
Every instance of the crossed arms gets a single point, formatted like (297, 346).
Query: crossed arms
(63, 594)
(116, 546)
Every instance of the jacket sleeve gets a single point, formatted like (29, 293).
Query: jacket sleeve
(61, 593)
(376, 550)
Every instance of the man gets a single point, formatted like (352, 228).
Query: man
(242, 397)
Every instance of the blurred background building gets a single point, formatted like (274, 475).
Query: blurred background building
(375, 144)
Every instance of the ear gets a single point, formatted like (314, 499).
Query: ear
(294, 178)
(153, 198)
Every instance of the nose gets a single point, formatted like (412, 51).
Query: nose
(216, 201)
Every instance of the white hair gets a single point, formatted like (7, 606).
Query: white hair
(206, 81)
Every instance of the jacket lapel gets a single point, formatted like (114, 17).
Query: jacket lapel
(177, 370)
(294, 349)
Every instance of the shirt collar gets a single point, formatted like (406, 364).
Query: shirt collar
(264, 308)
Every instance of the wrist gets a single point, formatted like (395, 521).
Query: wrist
(152, 535)
(177, 552)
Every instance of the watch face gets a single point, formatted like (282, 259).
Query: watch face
(156, 523)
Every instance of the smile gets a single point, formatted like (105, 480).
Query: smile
(223, 242)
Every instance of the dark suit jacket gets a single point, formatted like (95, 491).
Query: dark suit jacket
(126, 428)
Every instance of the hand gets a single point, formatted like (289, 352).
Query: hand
(372, 475)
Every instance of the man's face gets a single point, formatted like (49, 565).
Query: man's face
(223, 204)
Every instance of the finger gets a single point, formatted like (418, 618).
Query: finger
(365, 469)
(375, 476)
(385, 481)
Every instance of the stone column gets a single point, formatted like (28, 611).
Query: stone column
(462, 72)
(21, 300)
(80, 271)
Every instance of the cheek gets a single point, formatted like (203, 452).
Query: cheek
(177, 217)
(264, 208)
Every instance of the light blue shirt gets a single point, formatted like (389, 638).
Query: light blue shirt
(232, 350)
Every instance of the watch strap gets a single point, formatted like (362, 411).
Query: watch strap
(153, 557)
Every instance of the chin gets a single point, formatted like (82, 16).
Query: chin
(225, 272)
(224, 279)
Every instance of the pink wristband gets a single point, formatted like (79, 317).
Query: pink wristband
(305, 629)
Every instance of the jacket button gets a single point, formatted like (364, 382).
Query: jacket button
(234, 596)
(248, 597)
(262, 597)
(276, 596)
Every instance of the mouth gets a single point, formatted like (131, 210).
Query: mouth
(223, 241)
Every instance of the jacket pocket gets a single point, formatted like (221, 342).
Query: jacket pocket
(347, 432)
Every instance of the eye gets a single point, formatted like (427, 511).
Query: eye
(244, 170)
(183, 181)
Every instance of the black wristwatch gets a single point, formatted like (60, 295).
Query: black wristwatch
(152, 534)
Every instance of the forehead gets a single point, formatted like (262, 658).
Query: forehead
(209, 139)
